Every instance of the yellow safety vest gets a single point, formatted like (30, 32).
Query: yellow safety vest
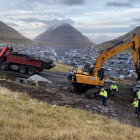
(135, 103)
(138, 94)
(104, 93)
(113, 87)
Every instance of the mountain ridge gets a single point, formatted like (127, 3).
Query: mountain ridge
(112, 42)
(63, 36)
(10, 35)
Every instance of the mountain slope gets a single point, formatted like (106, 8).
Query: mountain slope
(110, 43)
(63, 36)
(10, 35)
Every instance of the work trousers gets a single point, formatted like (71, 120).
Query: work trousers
(113, 92)
(136, 110)
(139, 105)
(104, 101)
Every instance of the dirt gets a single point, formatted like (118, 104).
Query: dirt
(118, 107)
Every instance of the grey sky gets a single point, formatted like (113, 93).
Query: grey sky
(100, 20)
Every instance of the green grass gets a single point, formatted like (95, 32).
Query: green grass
(10, 35)
(61, 67)
(22, 118)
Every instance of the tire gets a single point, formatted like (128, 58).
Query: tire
(31, 71)
(3, 66)
(22, 70)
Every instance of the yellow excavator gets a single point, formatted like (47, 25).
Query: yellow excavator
(90, 77)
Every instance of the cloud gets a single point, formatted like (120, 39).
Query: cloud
(101, 30)
(119, 4)
(100, 38)
(134, 1)
(59, 2)
(48, 23)
(73, 2)
(125, 13)
(11, 24)
(136, 20)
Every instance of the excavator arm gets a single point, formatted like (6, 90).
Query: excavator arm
(134, 44)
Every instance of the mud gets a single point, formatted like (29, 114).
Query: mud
(118, 107)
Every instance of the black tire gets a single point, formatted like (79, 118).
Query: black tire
(22, 70)
(31, 71)
(3, 66)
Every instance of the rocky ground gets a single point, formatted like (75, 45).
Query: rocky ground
(119, 107)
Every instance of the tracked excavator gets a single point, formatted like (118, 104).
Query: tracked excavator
(91, 79)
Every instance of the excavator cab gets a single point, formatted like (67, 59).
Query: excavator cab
(101, 73)
(88, 68)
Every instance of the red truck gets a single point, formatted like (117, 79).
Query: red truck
(22, 62)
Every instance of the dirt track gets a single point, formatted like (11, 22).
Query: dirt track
(119, 108)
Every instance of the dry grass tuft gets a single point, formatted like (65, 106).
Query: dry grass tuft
(118, 80)
(61, 67)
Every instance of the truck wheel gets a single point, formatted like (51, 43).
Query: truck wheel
(31, 71)
(3, 66)
(22, 69)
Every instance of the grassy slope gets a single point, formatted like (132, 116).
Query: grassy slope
(61, 67)
(110, 43)
(22, 118)
(10, 35)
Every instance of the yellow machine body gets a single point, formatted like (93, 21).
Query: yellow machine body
(85, 78)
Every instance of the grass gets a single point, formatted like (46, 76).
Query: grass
(22, 118)
(118, 80)
(61, 67)
(10, 35)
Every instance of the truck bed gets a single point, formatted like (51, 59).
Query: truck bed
(23, 59)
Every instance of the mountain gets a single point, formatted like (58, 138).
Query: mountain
(110, 43)
(10, 35)
(63, 36)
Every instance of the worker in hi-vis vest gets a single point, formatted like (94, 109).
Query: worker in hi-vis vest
(103, 93)
(135, 104)
(113, 88)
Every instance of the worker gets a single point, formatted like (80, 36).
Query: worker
(135, 104)
(103, 93)
(113, 88)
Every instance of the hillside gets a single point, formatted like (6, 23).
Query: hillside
(10, 35)
(63, 36)
(60, 67)
(25, 118)
(110, 43)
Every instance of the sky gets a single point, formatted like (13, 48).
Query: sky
(99, 20)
